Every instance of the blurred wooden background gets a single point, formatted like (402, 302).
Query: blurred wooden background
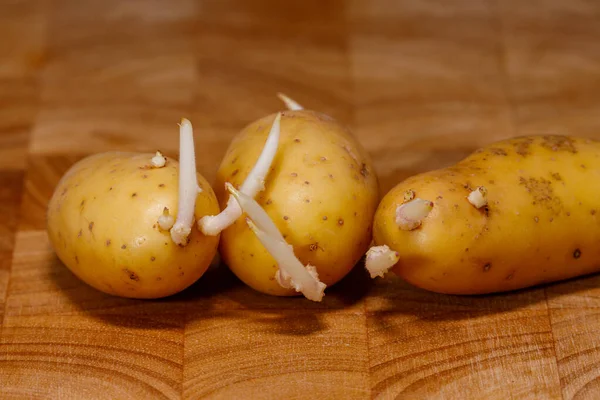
(421, 83)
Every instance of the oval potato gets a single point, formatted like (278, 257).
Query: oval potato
(102, 222)
(321, 193)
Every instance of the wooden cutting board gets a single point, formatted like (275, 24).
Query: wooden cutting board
(421, 83)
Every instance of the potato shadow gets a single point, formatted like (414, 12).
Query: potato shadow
(217, 292)
(393, 299)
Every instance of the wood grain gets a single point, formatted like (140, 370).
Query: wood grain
(439, 79)
(423, 343)
(553, 59)
(259, 354)
(421, 84)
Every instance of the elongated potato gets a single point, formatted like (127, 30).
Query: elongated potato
(514, 214)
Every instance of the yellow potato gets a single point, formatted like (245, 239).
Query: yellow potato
(103, 223)
(321, 193)
(541, 222)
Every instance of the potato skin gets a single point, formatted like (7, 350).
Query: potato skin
(321, 193)
(102, 222)
(542, 223)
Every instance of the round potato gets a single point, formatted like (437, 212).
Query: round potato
(321, 192)
(103, 221)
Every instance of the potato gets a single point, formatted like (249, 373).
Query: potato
(514, 214)
(321, 192)
(105, 221)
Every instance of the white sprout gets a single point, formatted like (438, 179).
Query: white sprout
(166, 220)
(212, 225)
(289, 103)
(188, 185)
(478, 197)
(291, 274)
(380, 259)
(158, 161)
(410, 215)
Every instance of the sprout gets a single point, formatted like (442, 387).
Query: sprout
(478, 197)
(289, 103)
(380, 259)
(255, 181)
(166, 220)
(188, 185)
(410, 215)
(291, 274)
(158, 161)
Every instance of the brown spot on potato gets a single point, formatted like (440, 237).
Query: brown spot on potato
(269, 202)
(331, 176)
(285, 217)
(64, 191)
(576, 254)
(522, 146)
(144, 176)
(556, 176)
(498, 151)
(541, 191)
(91, 226)
(134, 194)
(324, 218)
(235, 172)
(297, 140)
(340, 222)
(108, 242)
(124, 246)
(161, 185)
(181, 273)
(294, 174)
(536, 219)
(234, 160)
(132, 275)
(510, 276)
(306, 182)
(307, 200)
(77, 259)
(487, 267)
(491, 181)
(559, 143)
(158, 278)
(593, 212)
(80, 233)
(152, 258)
(323, 158)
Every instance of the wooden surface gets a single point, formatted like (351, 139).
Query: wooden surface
(421, 83)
